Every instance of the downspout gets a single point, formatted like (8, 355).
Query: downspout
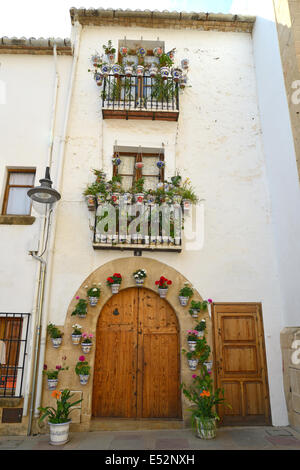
(58, 180)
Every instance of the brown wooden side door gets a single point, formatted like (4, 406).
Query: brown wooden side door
(240, 363)
(137, 358)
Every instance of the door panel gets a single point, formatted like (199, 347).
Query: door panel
(240, 363)
(137, 358)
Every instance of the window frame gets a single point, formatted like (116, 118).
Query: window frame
(138, 172)
(8, 186)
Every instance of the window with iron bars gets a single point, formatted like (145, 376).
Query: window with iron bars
(13, 343)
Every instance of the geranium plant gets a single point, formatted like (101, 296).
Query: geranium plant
(140, 274)
(116, 278)
(163, 282)
(63, 407)
(186, 291)
(205, 304)
(94, 291)
(52, 374)
(87, 338)
(53, 331)
(76, 329)
(195, 305)
(82, 367)
(201, 325)
(192, 335)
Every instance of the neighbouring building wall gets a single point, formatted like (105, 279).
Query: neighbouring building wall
(26, 112)
(276, 69)
(218, 144)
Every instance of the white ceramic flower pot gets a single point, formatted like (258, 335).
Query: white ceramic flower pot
(82, 315)
(193, 363)
(115, 288)
(93, 301)
(56, 342)
(139, 198)
(206, 428)
(139, 282)
(194, 314)
(90, 200)
(59, 433)
(83, 379)
(192, 345)
(86, 347)
(52, 384)
(162, 293)
(200, 333)
(164, 72)
(208, 365)
(76, 339)
(183, 300)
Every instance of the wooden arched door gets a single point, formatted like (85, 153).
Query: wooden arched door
(137, 363)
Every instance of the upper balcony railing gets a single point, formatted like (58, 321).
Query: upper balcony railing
(140, 97)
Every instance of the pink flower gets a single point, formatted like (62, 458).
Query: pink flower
(194, 376)
(81, 358)
(209, 301)
(84, 335)
(45, 367)
(58, 367)
(77, 297)
(90, 335)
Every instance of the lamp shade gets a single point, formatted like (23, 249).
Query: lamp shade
(44, 193)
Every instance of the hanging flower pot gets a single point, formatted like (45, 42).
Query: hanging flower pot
(111, 57)
(140, 276)
(176, 73)
(157, 51)
(164, 72)
(208, 365)
(194, 313)
(139, 198)
(183, 300)
(105, 69)
(192, 345)
(98, 78)
(116, 70)
(56, 342)
(150, 198)
(200, 333)
(186, 205)
(115, 288)
(115, 197)
(82, 369)
(140, 71)
(153, 70)
(116, 161)
(160, 164)
(162, 293)
(90, 200)
(114, 282)
(52, 384)
(123, 51)
(83, 379)
(193, 363)
(185, 64)
(126, 198)
(141, 52)
(139, 165)
(76, 339)
(128, 70)
(95, 60)
(100, 198)
(177, 200)
(86, 347)
(93, 301)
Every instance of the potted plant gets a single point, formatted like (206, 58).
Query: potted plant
(163, 285)
(81, 308)
(192, 339)
(58, 419)
(109, 51)
(138, 189)
(195, 308)
(166, 63)
(185, 293)
(114, 282)
(140, 276)
(86, 343)
(55, 335)
(82, 369)
(76, 334)
(205, 304)
(93, 294)
(52, 375)
(201, 328)
(192, 359)
(204, 399)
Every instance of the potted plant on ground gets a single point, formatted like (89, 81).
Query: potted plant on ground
(163, 284)
(52, 375)
(76, 334)
(140, 276)
(58, 419)
(185, 294)
(195, 308)
(82, 369)
(114, 282)
(55, 335)
(86, 343)
(81, 308)
(192, 339)
(93, 294)
(204, 399)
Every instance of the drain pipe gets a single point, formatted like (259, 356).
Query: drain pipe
(53, 230)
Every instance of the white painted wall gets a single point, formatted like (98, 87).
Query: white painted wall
(217, 142)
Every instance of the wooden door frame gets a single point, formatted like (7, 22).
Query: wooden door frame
(263, 348)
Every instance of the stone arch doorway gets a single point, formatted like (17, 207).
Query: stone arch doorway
(137, 358)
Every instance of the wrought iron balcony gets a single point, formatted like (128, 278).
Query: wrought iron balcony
(140, 97)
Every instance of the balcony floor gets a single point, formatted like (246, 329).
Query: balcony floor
(137, 246)
(152, 115)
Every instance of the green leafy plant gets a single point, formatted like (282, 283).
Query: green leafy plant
(195, 305)
(138, 186)
(109, 49)
(53, 373)
(94, 291)
(81, 307)
(165, 60)
(186, 291)
(201, 326)
(53, 331)
(61, 413)
(76, 329)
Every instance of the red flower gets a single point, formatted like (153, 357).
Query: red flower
(157, 282)
(110, 279)
(169, 283)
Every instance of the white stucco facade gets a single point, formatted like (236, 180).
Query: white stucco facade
(223, 141)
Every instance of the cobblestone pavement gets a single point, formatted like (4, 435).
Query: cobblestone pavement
(228, 438)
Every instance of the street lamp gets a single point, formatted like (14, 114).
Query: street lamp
(44, 193)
